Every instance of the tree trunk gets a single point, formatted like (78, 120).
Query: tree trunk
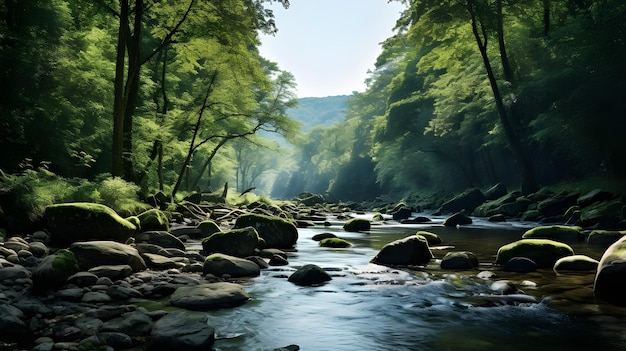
(506, 65)
(546, 17)
(118, 88)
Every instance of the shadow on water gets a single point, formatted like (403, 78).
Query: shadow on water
(371, 307)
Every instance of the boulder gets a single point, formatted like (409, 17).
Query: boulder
(557, 205)
(113, 272)
(610, 281)
(160, 262)
(114, 340)
(335, 242)
(520, 265)
(277, 232)
(457, 219)
(220, 264)
(98, 253)
(496, 206)
(575, 263)
(207, 228)
(322, 236)
(209, 296)
(606, 214)
(543, 252)
(153, 219)
(412, 250)
(560, 233)
(309, 275)
(357, 225)
(182, 330)
(466, 202)
(54, 270)
(132, 323)
(604, 238)
(237, 242)
(80, 221)
(459, 260)
(402, 213)
(596, 195)
(495, 192)
(160, 238)
(432, 238)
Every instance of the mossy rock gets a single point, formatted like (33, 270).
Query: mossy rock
(237, 242)
(610, 282)
(604, 238)
(154, 219)
(459, 260)
(531, 216)
(432, 238)
(457, 219)
(543, 252)
(277, 232)
(412, 250)
(83, 221)
(53, 271)
(208, 228)
(221, 264)
(606, 214)
(493, 207)
(357, 225)
(134, 220)
(560, 233)
(335, 243)
(578, 263)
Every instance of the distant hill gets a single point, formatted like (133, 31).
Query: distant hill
(315, 111)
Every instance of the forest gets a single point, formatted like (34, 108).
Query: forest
(173, 96)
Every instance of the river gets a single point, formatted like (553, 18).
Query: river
(370, 307)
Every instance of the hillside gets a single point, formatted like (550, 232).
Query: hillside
(314, 111)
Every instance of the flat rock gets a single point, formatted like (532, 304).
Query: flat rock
(209, 296)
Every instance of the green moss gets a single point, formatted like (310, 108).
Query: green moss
(431, 238)
(153, 219)
(555, 232)
(357, 225)
(543, 252)
(134, 220)
(335, 243)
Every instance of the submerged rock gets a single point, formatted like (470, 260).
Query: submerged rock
(309, 275)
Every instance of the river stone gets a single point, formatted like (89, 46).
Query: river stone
(237, 242)
(432, 238)
(97, 253)
(119, 292)
(160, 238)
(12, 327)
(16, 244)
(80, 221)
(309, 275)
(401, 213)
(604, 238)
(576, 263)
(221, 264)
(322, 236)
(182, 330)
(610, 281)
(209, 296)
(596, 195)
(467, 201)
(95, 297)
(132, 323)
(13, 273)
(560, 233)
(412, 250)
(520, 265)
(153, 219)
(335, 243)
(53, 270)
(115, 340)
(495, 192)
(459, 260)
(357, 225)
(208, 228)
(38, 249)
(543, 252)
(158, 261)
(277, 232)
(112, 272)
(457, 219)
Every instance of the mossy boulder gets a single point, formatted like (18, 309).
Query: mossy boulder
(543, 252)
(557, 205)
(237, 242)
(82, 221)
(277, 232)
(153, 219)
(604, 238)
(457, 219)
(357, 225)
(493, 207)
(335, 243)
(606, 214)
(102, 253)
(459, 260)
(208, 228)
(54, 270)
(610, 281)
(309, 275)
(412, 250)
(467, 201)
(432, 238)
(560, 233)
(220, 264)
(578, 263)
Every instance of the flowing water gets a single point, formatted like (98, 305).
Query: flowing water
(370, 307)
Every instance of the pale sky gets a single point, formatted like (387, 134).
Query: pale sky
(329, 45)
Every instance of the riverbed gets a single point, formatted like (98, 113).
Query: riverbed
(371, 307)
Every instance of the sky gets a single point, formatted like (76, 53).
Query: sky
(329, 45)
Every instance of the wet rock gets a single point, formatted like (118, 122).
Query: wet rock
(118, 292)
(416, 220)
(495, 192)
(576, 263)
(38, 249)
(557, 205)
(543, 252)
(335, 243)
(113, 272)
(12, 327)
(401, 213)
(503, 287)
(432, 238)
(220, 264)
(520, 265)
(498, 218)
(208, 228)
(610, 281)
(309, 275)
(457, 219)
(160, 238)
(114, 340)
(209, 296)
(467, 202)
(259, 261)
(133, 323)
(412, 250)
(278, 260)
(153, 219)
(604, 238)
(98, 253)
(459, 260)
(606, 214)
(53, 270)
(357, 225)
(155, 261)
(237, 242)
(288, 348)
(503, 205)
(276, 231)
(13, 273)
(182, 330)
(560, 233)
(322, 236)
(596, 195)
(72, 222)
(95, 297)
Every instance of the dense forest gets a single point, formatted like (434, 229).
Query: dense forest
(174, 97)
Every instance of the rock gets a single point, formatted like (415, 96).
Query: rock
(277, 232)
(221, 264)
(119, 292)
(160, 238)
(320, 237)
(432, 238)
(13, 273)
(335, 243)
(83, 279)
(503, 287)
(402, 213)
(113, 272)
(412, 250)
(117, 341)
(132, 323)
(16, 244)
(181, 231)
(53, 270)
(520, 265)
(309, 275)
(207, 228)
(259, 261)
(606, 214)
(38, 249)
(556, 232)
(596, 195)
(498, 218)
(498, 206)
(459, 260)
(495, 192)
(277, 260)
(12, 327)
(209, 296)
(182, 330)
(153, 219)
(95, 297)
(71, 222)
(557, 205)
(531, 216)
(610, 281)
(155, 261)
(457, 219)
(416, 220)
(237, 242)
(357, 225)
(604, 238)
(543, 252)
(98, 253)
(576, 263)
(466, 202)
